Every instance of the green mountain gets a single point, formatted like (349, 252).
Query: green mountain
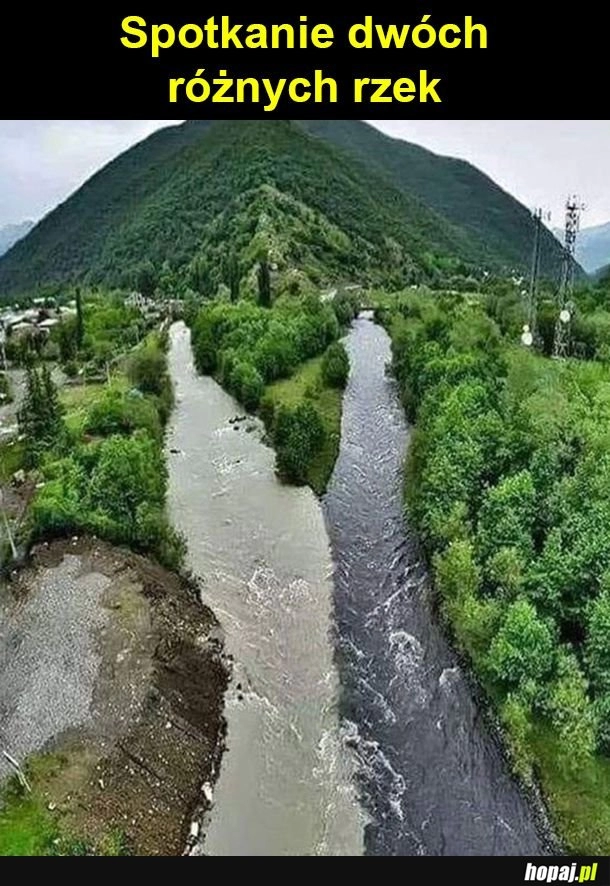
(184, 203)
(459, 192)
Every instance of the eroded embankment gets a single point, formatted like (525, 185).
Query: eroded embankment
(111, 663)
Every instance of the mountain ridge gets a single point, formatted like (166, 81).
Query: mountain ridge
(450, 186)
(164, 202)
(12, 232)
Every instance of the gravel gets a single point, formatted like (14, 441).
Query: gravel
(49, 657)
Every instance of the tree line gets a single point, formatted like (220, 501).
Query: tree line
(508, 483)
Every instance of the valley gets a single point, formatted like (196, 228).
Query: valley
(305, 547)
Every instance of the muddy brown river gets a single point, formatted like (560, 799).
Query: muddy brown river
(262, 551)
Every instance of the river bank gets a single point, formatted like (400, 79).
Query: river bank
(112, 670)
(515, 537)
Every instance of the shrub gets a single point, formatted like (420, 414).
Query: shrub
(70, 368)
(516, 717)
(299, 435)
(457, 573)
(522, 653)
(570, 712)
(120, 412)
(335, 366)
(601, 709)
(267, 412)
(147, 368)
(346, 306)
(597, 646)
(248, 386)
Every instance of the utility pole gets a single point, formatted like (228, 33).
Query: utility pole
(7, 527)
(565, 305)
(530, 331)
(3, 347)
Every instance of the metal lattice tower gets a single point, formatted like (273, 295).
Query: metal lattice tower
(565, 305)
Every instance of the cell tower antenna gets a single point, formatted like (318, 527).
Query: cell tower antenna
(565, 305)
(530, 331)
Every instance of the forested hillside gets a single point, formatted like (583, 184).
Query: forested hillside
(194, 205)
(455, 189)
(192, 189)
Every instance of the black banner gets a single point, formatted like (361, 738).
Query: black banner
(419, 60)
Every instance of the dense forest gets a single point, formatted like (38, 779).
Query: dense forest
(508, 483)
(176, 212)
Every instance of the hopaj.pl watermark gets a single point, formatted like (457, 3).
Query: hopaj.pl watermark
(565, 873)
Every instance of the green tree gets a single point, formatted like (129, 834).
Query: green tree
(232, 275)
(456, 570)
(248, 385)
(335, 366)
(516, 716)
(65, 334)
(146, 279)
(40, 416)
(80, 323)
(147, 368)
(200, 278)
(264, 283)
(597, 643)
(299, 435)
(129, 473)
(507, 517)
(474, 620)
(120, 412)
(522, 653)
(601, 708)
(345, 305)
(505, 570)
(570, 711)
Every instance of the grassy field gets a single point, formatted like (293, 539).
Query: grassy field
(307, 383)
(77, 400)
(11, 459)
(26, 827)
(30, 824)
(579, 799)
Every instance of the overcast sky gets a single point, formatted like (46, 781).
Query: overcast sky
(540, 162)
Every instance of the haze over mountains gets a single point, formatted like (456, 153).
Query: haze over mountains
(332, 199)
(9, 234)
(593, 247)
